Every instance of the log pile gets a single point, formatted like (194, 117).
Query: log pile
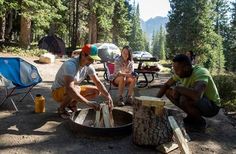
(104, 117)
(150, 122)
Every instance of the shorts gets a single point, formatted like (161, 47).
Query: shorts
(59, 93)
(207, 107)
(134, 75)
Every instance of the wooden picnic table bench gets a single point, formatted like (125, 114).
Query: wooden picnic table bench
(145, 71)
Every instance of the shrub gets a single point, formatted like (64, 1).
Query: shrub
(23, 52)
(226, 85)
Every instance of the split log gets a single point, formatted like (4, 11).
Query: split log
(104, 117)
(183, 145)
(81, 117)
(150, 122)
(167, 147)
(170, 146)
(97, 119)
(112, 123)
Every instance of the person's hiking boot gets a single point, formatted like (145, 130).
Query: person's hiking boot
(121, 101)
(198, 126)
(129, 100)
(72, 108)
(188, 120)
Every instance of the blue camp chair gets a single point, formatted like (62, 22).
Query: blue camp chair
(16, 73)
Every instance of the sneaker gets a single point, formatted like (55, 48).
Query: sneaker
(129, 100)
(195, 126)
(121, 102)
(72, 108)
(63, 113)
(188, 120)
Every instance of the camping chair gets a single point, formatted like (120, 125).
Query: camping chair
(17, 74)
(109, 70)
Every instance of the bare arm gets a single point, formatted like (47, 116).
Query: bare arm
(73, 93)
(194, 93)
(166, 86)
(102, 89)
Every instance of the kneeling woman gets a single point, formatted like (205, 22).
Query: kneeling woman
(124, 75)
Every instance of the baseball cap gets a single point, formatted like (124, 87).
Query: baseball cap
(91, 50)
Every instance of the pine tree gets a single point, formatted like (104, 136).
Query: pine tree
(222, 24)
(221, 8)
(155, 44)
(121, 23)
(162, 51)
(40, 12)
(146, 43)
(232, 41)
(159, 44)
(136, 37)
(191, 28)
(104, 14)
(6, 10)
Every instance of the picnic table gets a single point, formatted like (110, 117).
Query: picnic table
(146, 71)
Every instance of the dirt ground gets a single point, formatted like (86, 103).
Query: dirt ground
(28, 132)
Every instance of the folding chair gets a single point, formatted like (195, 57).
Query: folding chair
(109, 70)
(16, 74)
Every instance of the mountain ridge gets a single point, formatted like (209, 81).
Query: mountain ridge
(153, 25)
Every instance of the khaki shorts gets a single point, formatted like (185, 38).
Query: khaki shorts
(59, 93)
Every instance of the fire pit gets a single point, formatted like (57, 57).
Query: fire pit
(122, 124)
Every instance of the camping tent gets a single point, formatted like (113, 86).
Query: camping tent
(52, 44)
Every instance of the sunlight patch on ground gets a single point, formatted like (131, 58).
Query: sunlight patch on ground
(49, 127)
(217, 146)
(13, 128)
(5, 114)
(20, 140)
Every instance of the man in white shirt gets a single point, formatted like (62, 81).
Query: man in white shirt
(66, 88)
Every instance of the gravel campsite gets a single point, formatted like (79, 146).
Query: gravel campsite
(29, 132)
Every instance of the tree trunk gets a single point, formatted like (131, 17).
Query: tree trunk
(8, 28)
(94, 29)
(69, 24)
(150, 122)
(2, 27)
(75, 24)
(92, 24)
(25, 30)
(52, 29)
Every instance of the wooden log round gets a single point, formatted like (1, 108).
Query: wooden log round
(150, 122)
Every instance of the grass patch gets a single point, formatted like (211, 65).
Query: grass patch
(24, 52)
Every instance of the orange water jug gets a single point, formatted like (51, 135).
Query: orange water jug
(39, 104)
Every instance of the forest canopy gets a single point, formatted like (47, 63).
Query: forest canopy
(205, 27)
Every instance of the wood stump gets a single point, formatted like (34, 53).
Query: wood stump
(150, 122)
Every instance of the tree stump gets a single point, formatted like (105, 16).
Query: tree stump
(150, 122)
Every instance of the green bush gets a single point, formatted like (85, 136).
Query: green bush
(163, 62)
(226, 85)
(230, 105)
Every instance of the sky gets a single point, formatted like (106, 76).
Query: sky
(152, 8)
